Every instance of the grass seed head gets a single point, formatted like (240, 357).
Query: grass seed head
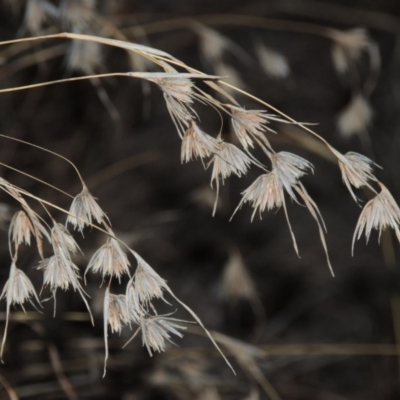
(38, 227)
(148, 283)
(379, 213)
(251, 125)
(227, 161)
(196, 143)
(156, 330)
(18, 288)
(85, 209)
(289, 168)
(109, 260)
(212, 44)
(62, 241)
(273, 63)
(236, 281)
(347, 47)
(178, 95)
(356, 171)
(118, 315)
(266, 192)
(133, 305)
(21, 229)
(356, 117)
(59, 272)
(180, 89)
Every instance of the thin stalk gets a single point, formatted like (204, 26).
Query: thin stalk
(247, 21)
(44, 149)
(36, 179)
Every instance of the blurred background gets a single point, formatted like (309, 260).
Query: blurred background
(290, 329)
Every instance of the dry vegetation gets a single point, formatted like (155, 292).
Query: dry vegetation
(168, 184)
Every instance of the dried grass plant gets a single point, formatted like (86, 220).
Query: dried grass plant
(187, 93)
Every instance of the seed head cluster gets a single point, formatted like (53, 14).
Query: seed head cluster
(282, 175)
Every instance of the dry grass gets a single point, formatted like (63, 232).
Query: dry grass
(135, 296)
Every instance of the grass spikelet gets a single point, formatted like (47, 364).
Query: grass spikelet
(348, 47)
(273, 63)
(355, 118)
(237, 283)
(380, 213)
(17, 290)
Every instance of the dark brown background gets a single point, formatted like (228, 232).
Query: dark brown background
(152, 205)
